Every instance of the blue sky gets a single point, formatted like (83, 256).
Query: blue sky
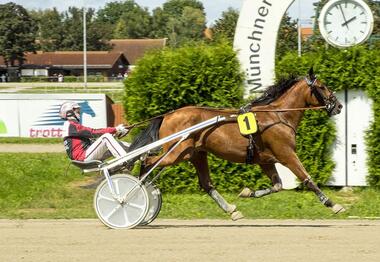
(213, 8)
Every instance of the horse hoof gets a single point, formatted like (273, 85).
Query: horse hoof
(245, 193)
(236, 215)
(338, 209)
(231, 209)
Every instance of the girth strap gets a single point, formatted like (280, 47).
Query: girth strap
(251, 142)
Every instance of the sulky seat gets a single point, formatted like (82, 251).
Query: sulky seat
(92, 165)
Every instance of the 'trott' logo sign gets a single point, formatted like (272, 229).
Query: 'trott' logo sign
(3, 127)
(42, 127)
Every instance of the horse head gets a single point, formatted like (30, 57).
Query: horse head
(321, 95)
(86, 109)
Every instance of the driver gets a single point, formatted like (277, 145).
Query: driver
(79, 141)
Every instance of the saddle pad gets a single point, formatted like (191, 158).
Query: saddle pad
(247, 123)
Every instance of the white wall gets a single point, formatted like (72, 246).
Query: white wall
(349, 151)
(36, 115)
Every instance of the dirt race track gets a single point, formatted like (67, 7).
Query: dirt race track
(194, 240)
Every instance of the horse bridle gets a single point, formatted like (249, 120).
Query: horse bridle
(329, 102)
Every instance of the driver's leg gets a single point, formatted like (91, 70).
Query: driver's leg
(103, 144)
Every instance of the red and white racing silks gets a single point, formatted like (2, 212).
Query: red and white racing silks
(80, 145)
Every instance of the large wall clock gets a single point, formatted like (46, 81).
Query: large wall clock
(344, 23)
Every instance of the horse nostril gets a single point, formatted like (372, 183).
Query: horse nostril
(340, 107)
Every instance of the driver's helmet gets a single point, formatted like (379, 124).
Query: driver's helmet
(67, 111)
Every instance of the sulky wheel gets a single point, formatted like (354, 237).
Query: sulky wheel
(155, 203)
(120, 212)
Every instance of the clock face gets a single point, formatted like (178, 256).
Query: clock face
(345, 23)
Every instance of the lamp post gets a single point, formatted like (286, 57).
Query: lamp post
(84, 49)
(299, 29)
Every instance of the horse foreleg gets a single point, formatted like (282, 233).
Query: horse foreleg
(199, 160)
(295, 165)
(271, 172)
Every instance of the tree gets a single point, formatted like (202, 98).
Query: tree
(133, 24)
(375, 7)
(97, 33)
(50, 29)
(17, 33)
(126, 19)
(175, 7)
(179, 20)
(188, 27)
(158, 24)
(287, 38)
(73, 27)
(226, 25)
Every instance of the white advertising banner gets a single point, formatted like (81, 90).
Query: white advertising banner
(9, 124)
(255, 41)
(28, 115)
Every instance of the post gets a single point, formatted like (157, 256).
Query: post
(299, 29)
(84, 49)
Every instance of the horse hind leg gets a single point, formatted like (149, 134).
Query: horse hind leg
(271, 172)
(182, 152)
(199, 160)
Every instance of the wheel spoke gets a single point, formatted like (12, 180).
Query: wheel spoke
(113, 212)
(117, 187)
(103, 197)
(136, 206)
(127, 221)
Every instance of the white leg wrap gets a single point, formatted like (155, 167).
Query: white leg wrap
(223, 204)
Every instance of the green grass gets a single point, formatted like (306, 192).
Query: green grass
(116, 94)
(36, 186)
(27, 140)
(362, 203)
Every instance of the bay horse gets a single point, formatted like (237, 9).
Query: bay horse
(278, 112)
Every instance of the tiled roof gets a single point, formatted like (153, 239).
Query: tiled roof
(133, 49)
(73, 58)
(306, 32)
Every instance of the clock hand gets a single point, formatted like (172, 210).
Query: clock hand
(344, 17)
(349, 21)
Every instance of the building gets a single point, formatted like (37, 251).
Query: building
(71, 63)
(134, 49)
(306, 33)
(113, 63)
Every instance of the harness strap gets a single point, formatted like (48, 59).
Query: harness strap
(251, 141)
(288, 109)
(280, 121)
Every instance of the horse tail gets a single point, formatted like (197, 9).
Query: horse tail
(148, 135)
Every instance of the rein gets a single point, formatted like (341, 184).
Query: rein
(223, 110)
(289, 109)
(147, 120)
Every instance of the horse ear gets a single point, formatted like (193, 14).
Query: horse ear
(311, 73)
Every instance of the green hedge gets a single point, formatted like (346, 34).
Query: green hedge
(192, 75)
(354, 68)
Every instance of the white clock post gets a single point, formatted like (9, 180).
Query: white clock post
(345, 23)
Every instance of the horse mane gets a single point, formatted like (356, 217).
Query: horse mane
(275, 91)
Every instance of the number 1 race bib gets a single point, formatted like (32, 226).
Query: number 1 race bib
(247, 123)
